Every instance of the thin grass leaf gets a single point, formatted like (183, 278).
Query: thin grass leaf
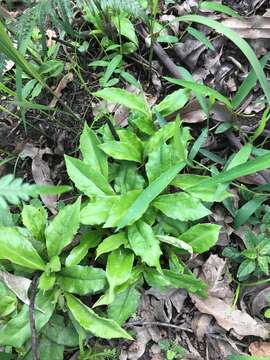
(238, 41)
(212, 5)
(198, 35)
(198, 144)
(262, 124)
(248, 84)
(7, 90)
(142, 202)
(245, 212)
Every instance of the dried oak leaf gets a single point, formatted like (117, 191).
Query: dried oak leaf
(229, 318)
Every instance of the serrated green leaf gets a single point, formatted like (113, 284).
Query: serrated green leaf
(144, 243)
(111, 243)
(86, 179)
(181, 206)
(201, 237)
(92, 155)
(89, 320)
(62, 228)
(82, 280)
(18, 249)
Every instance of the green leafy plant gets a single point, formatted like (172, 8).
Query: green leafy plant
(171, 349)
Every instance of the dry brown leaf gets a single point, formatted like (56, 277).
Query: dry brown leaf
(253, 27)
(60, 87)
(259, 348)
(229, 318)
(41, 172)
(17, 284)
(50, 35)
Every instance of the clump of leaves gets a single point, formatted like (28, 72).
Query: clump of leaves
(171, 350)
(254, 260)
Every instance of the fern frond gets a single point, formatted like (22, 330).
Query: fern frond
(13, 190)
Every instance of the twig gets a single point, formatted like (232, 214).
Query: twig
(34, 340)
(157, 323)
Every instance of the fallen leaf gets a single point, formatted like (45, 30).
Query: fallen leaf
(60, 87)
(230, 318)
(50, 35)
(201, 325)
(253, 27)
(41, 172)
(258, 348)
(17, 284)
(189, 51)
(260, 301)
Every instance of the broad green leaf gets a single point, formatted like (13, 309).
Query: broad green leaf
(17, 330)
(209, 193)
(181, 206)
(121, 151)
(171, 240)
(82, 280)
(118, 271)
(176, 280)
(89, 320)
(125, 28)
(48, 349)
(172, 102)
(241, 157)
(62, 228)
(79, 252)
(34, 219)
(121, 206)
(212, 5)
(238, 41)
(128, 178)
(142, 122)
(140, 205)
(129, 136)
(97, 211)
(201, 237)
(144, 243)
(246, 268)
(124, 305)
(160, 137)
(46, 281)
(92, 155)
(250, 167)
(8, 300)
(111, 243)
(159, 160)
(61, 332)
(18, 249)
(200, 37)
(86, 179)
(202, 89)
(126, 98)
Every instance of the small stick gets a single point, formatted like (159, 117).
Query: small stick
(157, 323)
(34, 340)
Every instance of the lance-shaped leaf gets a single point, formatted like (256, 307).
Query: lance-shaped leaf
(18, 249)
(90, 321)
(97, 211)
(111, 243)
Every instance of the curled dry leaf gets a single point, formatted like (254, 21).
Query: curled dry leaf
(260, 348)
(17, 284)
(230, 318)
(50, 35)
(41, 172)
(260, 301)
(253, 27)
(60, 87)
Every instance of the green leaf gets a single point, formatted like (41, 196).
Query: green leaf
(86, 179)
(246, 357)
(92, 155)
(34, 219)
(171, 240)
(198, 35)
(128, 178)
(62, 228)
(61, 332)
(48, 349)
(121, 206)
(212, 5)
(159, 160)
(191, 184)
(126, 98)
(97, 211)
(46, 281)
(201, 237)
(160, 137)
(8, 300)
(124, 305)
(140, 205)
(111, 243)
(125, 28)
(79, 252)
(17, 330)
(144, 243)
(246, 268)
(18, 249)
(176, 280)
(241, 157)
(89, 320)
(112, 66)
(82, 280)
(172, 102)
(198, 144)
(118, 271)
(244, 213)
(121, 151)
(181, 206)
(238, 41)
(263, 263)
